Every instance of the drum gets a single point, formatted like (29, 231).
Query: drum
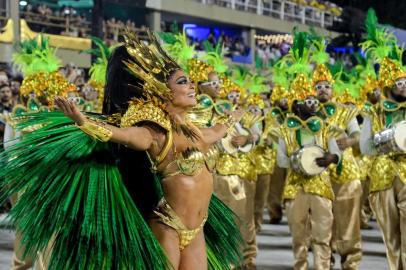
(229, 147)
(304, 160)
(391, 139)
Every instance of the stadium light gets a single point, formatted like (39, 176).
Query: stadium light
(23, 3)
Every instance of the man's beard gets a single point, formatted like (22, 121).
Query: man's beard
(398, 98)
(323, 99)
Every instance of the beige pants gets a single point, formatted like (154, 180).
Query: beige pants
(347, 228)
(18, 263)
(389, 207)
(365, 211)
(261, 195)
(276, 186)
(316, 211)
(239, 194)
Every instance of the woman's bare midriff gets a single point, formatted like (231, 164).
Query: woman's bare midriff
(189, 196)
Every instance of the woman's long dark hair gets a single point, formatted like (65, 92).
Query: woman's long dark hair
(134, 165)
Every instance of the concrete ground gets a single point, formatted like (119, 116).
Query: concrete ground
(274, 248)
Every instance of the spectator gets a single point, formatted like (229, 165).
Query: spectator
(6, 98)
(15, 84)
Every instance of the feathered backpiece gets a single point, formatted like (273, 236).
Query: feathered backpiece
(103, 52)
(151, 64)
(35, 55)
(178, 48)
(298, 57)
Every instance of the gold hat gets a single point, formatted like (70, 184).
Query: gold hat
(346, 98)
(255, 99)
(300, 88)
(389, 72)
(46, 86)
(198, 70)
(151, 64)
(368, 86)
(229, 86)
(322, 73)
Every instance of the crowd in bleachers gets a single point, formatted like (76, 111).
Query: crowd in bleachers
(68, 21)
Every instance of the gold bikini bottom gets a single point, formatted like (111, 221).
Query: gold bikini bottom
(167, 216)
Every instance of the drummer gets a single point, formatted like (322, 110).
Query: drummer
(308, 199)
(388, 171)
(234, 182)
(346, 176)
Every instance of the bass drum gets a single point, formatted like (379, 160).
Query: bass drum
(392, 139)
(304, 160)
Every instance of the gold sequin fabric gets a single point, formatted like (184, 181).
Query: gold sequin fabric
(350, 169)
(382, 173)
(167, 216)
(241, 164)
(265, 159)
(318, 185)
(145, 111)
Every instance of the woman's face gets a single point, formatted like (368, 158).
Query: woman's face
(184, 94)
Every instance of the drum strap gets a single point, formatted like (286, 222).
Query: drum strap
(298, 134)
(388, 119)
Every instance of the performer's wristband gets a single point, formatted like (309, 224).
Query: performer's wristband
(96, 130)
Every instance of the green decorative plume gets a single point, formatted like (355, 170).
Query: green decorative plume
(318, 52)
(178, 48)
(35, 55)
(240, 75)
(257, 84)
(215, 58)
(103, 52)
(298, 57)
(280, 74)
(380, 41)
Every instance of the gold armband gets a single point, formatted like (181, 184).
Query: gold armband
(96, 130)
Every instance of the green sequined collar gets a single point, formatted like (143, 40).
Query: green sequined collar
(313, 124)
(389, 105)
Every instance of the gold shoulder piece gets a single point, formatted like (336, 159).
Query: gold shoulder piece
(149, 110)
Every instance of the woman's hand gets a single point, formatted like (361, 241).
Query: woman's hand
(70, 110)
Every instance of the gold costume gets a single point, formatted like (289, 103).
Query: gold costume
(308, 203)
(167, 216)
(388, 187)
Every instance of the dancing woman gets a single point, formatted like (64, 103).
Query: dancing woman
(93, 196)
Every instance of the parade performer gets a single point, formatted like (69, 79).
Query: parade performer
(92, 184)
(388, 170)
(276, 117)
(308, 192)
(346, 239)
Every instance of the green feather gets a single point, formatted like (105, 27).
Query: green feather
(35, 55)
(74, 195)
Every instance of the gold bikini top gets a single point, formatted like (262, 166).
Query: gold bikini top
(189, 162)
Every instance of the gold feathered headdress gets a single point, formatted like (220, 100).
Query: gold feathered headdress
(151, 64)
(198, 70)
(300, 88)
(322, 73)
(255, 99)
